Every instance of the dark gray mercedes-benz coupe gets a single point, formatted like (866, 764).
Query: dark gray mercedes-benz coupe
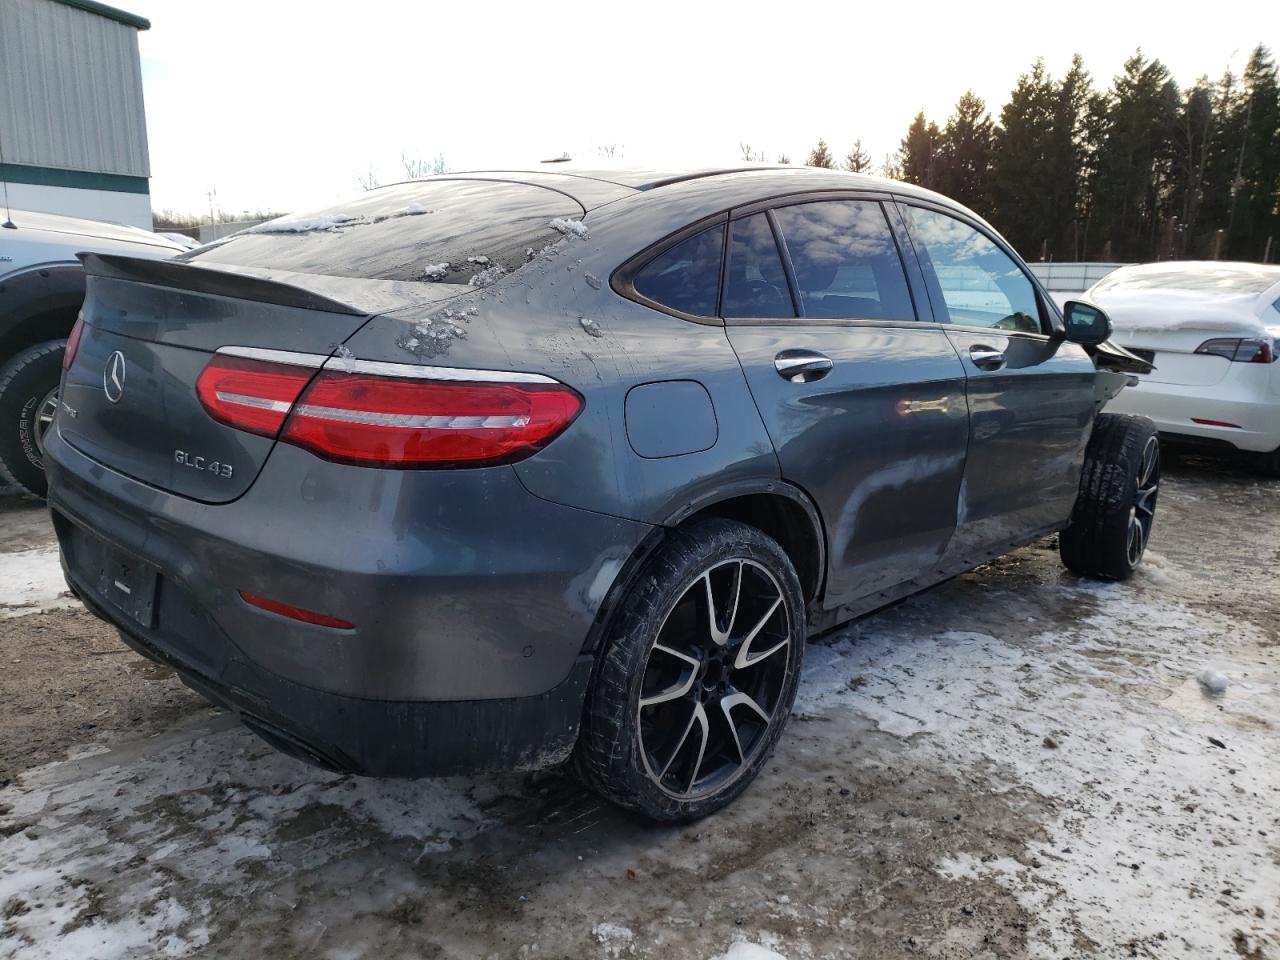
(494, 470)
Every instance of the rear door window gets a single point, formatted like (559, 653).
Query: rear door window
(755, 282)
(441, 231)
(845, 260)
(685, 277)
(978, 283)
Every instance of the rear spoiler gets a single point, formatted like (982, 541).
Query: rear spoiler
(200, 279)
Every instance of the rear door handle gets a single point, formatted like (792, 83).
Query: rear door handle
(986, 358)
(802, 366)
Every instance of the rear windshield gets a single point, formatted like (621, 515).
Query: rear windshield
(441, 231)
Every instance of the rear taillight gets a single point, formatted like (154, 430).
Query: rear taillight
(388, 414)
(73, 343)
(251, 395)
(406, 422)
(1240, 350)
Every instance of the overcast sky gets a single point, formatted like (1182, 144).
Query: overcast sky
(283, 105)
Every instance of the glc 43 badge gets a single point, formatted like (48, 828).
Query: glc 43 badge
(216, 467)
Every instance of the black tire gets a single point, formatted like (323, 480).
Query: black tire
(28, 384)
(617, 751)
(1269, 463)
(1115, 509)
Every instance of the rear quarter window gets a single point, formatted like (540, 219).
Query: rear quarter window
(440, 231)
(686, 276)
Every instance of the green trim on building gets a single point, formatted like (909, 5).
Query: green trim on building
(75, 179)
(111, 13)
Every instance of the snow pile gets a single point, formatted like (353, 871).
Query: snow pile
(325, 223)
(488, 276)
(32, 581)
(110, 858)
(332, 222)
(1213, 682)
(570, 228)
(1094, 714)
(616, 938)
(435, 272)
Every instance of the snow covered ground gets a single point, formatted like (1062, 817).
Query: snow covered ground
(1019, 763)
(31, 581)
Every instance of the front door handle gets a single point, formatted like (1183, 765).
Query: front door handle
(802, 366)
(986, 358)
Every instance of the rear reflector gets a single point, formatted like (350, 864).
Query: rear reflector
(73, 343)
(250, 395)
(1215, 423)
(295, 613)
(406, 422)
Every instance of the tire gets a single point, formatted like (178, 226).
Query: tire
(1115, 509)
(28, 388)
(1269, 463)
(661, 648)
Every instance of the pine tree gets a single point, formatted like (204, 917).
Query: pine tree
(1133, 178)
(1197, 133)
(857, 160)
(1067, 156)
(1256, 186)
(1020, 187)
(964, 155)
(918, 154)
(821, 157)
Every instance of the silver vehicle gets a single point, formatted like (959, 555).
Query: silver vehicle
(41, 288)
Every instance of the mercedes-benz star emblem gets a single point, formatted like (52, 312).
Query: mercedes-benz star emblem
(113, 377)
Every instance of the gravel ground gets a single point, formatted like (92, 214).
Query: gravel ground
(1018, 763)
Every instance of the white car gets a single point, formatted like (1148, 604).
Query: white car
(1212, 331)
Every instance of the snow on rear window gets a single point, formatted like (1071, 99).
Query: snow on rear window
(467, 232)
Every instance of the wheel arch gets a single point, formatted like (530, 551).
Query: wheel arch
(39, 304)
(779, 509)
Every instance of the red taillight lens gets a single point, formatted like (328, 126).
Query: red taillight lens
(73, 343)
(405, 422)
(251, 395)
(295, 613)
(1240, 350)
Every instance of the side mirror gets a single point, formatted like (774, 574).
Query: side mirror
(1086, 325)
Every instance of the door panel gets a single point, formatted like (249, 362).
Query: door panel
(1029, 423)
(878, 442)
(1031, 400)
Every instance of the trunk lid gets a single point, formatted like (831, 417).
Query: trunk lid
(150, 329)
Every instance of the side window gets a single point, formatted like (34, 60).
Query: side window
(755, 285)
(685, 277)
(845, 261)
(980, 284)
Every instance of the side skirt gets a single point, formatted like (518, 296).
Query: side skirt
(824, 621)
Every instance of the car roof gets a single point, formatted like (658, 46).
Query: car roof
(755, 181)
(93, 229)
(1220, 283)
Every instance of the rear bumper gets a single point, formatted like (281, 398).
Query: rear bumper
(1176, 407)
(472, 600)
(379, 738)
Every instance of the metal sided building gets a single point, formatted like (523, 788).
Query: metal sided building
(73, 133)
